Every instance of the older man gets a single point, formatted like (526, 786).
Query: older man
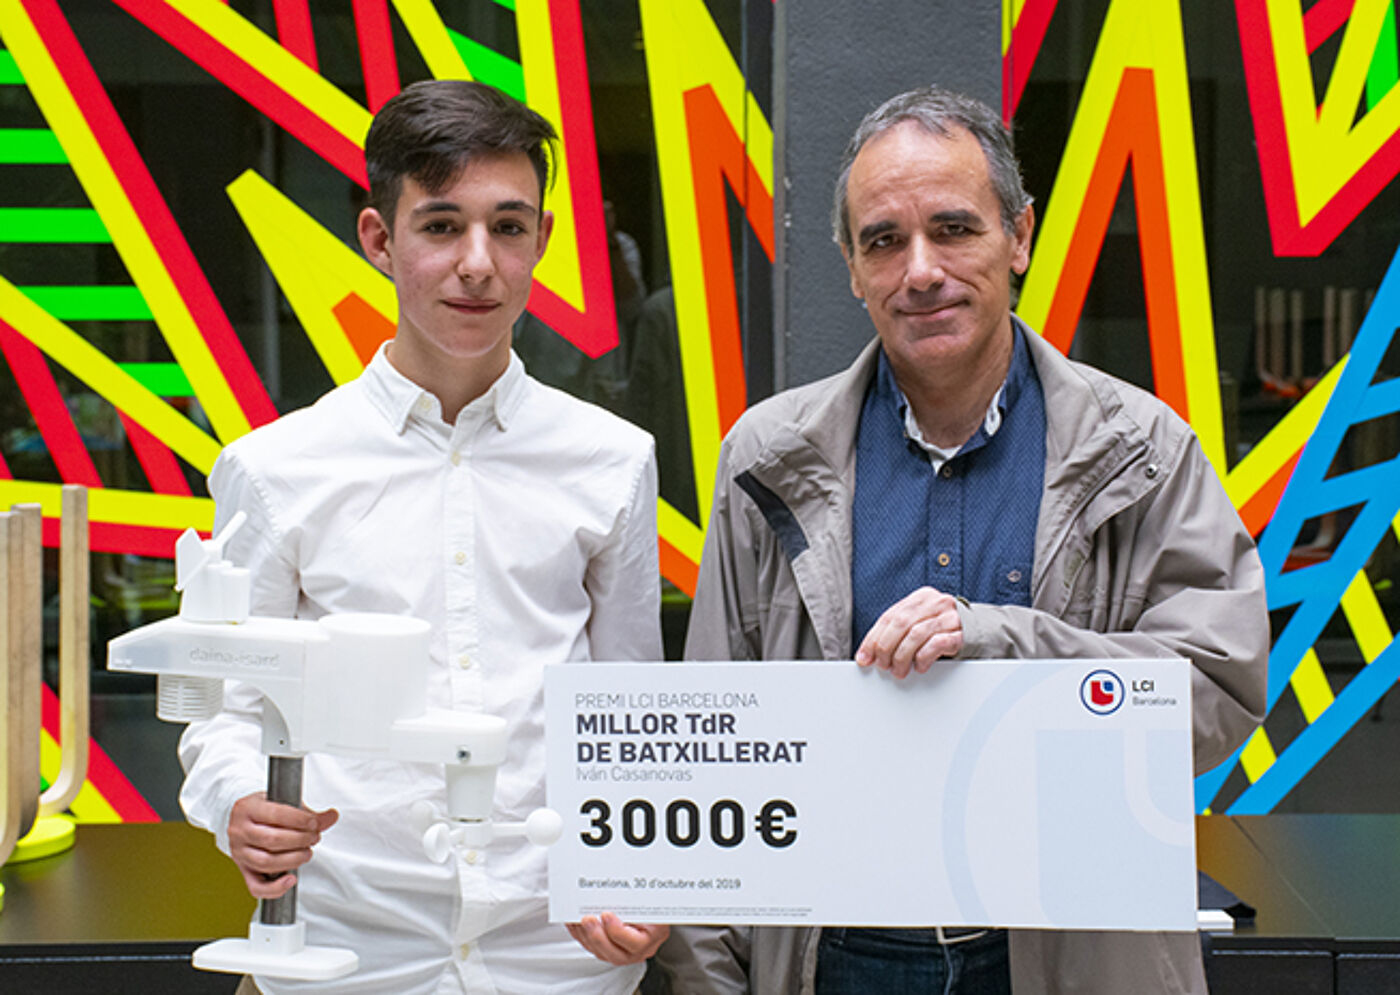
(964, 491)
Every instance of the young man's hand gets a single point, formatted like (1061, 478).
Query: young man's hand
(267, 840)
(610, 939)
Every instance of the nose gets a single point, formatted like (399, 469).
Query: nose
(475, 261)
(923, 268)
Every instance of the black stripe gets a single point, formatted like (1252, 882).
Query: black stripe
(779, 516)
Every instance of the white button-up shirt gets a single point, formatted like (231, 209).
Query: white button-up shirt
(525, 533)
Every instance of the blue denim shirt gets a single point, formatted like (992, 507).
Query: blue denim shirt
(966, 528)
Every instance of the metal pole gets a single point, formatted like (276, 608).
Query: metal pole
(283, 785)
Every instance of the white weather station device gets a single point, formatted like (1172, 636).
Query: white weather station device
(352, 684)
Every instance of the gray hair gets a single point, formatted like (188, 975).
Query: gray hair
(938, 111)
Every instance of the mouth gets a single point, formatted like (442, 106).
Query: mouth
(920, 309)
(472, 305)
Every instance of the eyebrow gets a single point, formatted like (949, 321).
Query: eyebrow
(962, 217)
(449, 207)
(872, 230)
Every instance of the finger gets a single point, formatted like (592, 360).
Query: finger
(912, 646)
(273, 839)
(267, 863)
(263, 888)
(638, 940)
(590, 935)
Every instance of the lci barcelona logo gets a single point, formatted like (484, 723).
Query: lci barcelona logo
(1101, 692)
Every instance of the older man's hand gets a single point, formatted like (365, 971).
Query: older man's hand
(610, 939)
(912, 633)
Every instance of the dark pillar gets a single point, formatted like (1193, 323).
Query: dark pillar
(833, 62)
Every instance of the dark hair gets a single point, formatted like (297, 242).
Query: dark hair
(432, 128)
(938, 111)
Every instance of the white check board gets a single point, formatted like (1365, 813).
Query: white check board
(1030, 793)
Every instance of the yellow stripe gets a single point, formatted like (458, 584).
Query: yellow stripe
(428, 32)
(1366, 618)
(1347, 80)
(675, 33)
(89, 805)
(1164, 50)
(679, 531)
(758, 143)
(106, 378)
(129, 237)
(1258, 755)
(1283, 441)
(284, 70)
(314, 268)
(561, 269)
(1311, 688)
(117, 507)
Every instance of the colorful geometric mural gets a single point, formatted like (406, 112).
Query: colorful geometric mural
(1325, 140)
(712, 142)
(1322, 163)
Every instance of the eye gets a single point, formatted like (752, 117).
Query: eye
(881, 242)
(512, 228)
(437, 226)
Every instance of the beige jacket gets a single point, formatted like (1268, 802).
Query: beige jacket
(1138, 553)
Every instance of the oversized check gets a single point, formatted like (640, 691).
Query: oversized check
(1027, 793)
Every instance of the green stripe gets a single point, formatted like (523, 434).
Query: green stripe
(90, 303)
(9, 72)
(490, 67)
(52, 225)
(1385, 63)
(507, 4)
(161, 379)
(30, 146)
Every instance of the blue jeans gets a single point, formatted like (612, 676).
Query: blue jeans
(896, 961)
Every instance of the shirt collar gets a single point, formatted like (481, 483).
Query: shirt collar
(399, 399)
(1002, 402)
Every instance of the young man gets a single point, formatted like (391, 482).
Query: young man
(447, 484)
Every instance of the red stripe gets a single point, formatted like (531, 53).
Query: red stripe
(1086, 243)
(294, 30)
(103, 775)
(1259, 508)
(1323, 20)
(156, 459)
(678, 568)
(1026, 38)
(1138, 97)
(241, 77)
(717, 155)
(381, 68)
(51, 415)
(139, 187)
(594, 329)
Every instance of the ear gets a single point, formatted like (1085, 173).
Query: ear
(857, 290)
(1025, 224)
(375, 240)
(546, 230)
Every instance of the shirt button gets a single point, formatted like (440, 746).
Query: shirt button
(464, 950)
(1014, 576)
(472, 856)
(946, 472)
(944, 559)
(464, 661)
(423, 405)
(456, 458)
(460, 558)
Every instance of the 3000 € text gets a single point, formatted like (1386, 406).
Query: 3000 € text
(682, 824)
